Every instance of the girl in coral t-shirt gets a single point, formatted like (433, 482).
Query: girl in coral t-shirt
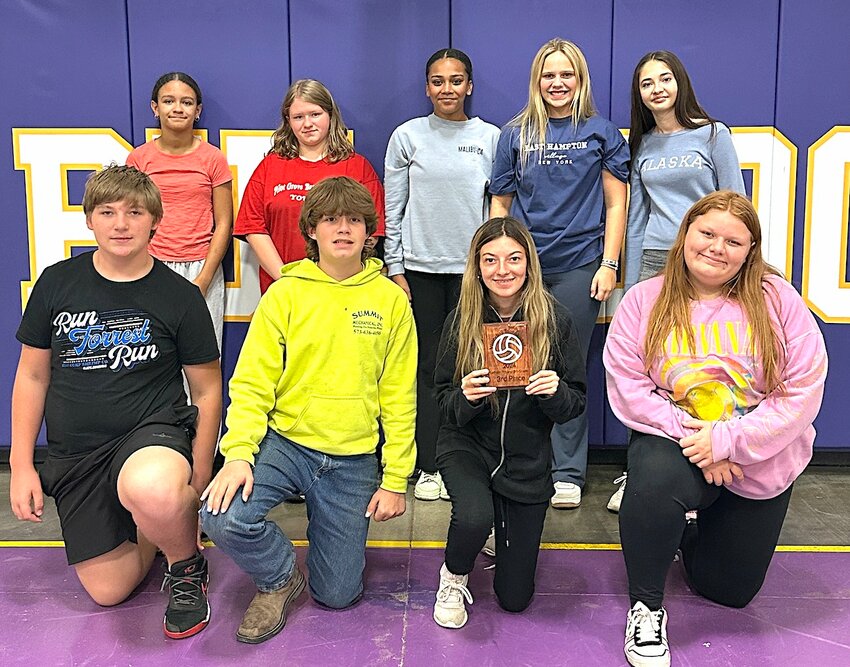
(195, 182)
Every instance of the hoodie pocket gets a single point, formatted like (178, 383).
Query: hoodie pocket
(334, 419)
(526, 463)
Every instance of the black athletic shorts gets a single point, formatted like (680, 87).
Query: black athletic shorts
(85, 488)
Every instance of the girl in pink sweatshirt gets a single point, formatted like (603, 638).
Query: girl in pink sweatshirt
(718, 368)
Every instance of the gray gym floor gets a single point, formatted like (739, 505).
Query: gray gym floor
(819, 515)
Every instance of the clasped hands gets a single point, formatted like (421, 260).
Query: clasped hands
(697, 448)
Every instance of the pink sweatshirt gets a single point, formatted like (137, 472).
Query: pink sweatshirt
(769, 435)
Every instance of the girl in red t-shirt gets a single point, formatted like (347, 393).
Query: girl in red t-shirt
(311, 144)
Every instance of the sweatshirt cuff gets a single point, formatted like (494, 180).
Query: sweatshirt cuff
(467, 411)
(239, 453)
(394, 483)
(720, 442)
(395, 269)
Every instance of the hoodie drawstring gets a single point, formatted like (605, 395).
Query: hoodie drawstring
(505, 523)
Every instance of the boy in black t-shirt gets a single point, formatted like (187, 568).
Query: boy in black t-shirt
(105, 336)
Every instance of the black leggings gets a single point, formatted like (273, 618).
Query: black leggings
(727, 553)
(475, 508)
(434, 296)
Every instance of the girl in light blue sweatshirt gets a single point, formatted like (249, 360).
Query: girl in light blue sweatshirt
(679, 155)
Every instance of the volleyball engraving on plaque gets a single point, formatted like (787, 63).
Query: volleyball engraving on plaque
(506, 354)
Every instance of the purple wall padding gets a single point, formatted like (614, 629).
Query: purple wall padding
(91, 64)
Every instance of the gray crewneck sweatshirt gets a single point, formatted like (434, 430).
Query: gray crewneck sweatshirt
(436, 175)
(671, 172)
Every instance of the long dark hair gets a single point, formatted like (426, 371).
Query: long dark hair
(689, 112)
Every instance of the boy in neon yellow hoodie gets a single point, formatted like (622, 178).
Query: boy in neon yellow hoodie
(330, 351)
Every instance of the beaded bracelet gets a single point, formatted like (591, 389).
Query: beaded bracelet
(611, 263)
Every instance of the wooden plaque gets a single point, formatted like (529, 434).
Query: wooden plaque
(506, 354)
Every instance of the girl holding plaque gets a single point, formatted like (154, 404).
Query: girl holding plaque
(436, 174)
(718, 367)
(494, 449)
(561, 169)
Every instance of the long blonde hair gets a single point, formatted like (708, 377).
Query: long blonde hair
(538, 306)
(672, 310)
(284, 142)
(534, 117)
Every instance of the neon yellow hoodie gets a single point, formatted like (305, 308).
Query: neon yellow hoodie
(322, 362)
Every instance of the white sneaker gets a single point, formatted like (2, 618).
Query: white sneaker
(567, 496)
(614, 504)
(444, 494)
(428, 487)
(646, 637)
(489, 548)
(450, 609)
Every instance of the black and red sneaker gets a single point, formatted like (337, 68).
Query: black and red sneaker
(188, 610)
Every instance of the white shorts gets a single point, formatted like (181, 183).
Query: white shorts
(215, 292)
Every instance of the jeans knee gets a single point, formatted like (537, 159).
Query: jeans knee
(211, 525)
(222, 527)
(335, 598)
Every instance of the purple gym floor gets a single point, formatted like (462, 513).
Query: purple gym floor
(801, 617)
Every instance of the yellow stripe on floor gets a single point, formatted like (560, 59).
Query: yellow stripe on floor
(424, 544)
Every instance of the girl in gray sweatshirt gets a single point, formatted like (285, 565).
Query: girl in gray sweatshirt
(436, 175)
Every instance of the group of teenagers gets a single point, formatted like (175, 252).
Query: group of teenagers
(713, 361)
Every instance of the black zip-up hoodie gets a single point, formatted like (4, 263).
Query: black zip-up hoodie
(516, 444)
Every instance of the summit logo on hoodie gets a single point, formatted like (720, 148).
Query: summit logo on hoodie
(367, 322)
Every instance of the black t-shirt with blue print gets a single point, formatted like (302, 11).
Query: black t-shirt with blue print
(117, 348)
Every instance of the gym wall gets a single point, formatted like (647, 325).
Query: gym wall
(76, 80)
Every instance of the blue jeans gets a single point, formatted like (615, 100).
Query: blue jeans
(569, 441)
(337, 490)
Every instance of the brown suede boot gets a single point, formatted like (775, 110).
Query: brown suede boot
(266, 615)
